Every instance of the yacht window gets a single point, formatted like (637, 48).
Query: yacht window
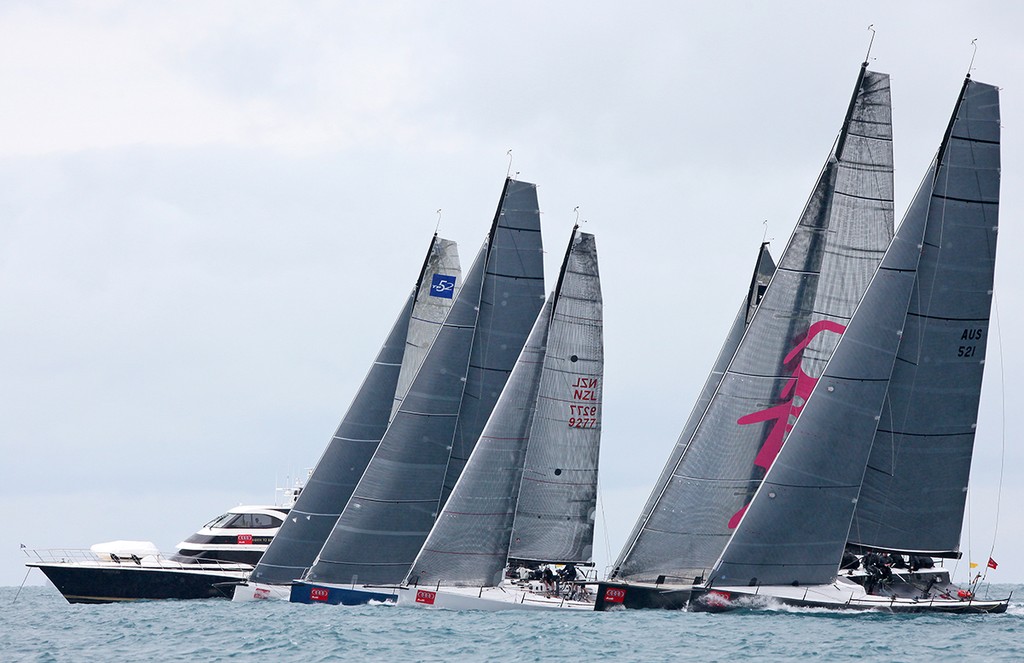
(220, 521)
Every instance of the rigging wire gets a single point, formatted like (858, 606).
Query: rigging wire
(1002, 431)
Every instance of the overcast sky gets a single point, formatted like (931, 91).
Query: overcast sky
(211, 212)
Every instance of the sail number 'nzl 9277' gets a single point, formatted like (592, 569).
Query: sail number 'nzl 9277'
(581, 413)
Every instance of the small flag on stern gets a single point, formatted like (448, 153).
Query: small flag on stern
(992, 563)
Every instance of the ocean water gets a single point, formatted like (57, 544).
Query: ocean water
(41, 626)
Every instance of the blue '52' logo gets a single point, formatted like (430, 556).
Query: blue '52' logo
(442, 285)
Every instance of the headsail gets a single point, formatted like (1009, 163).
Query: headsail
(916, 482)
(336, 473)
(764, 268)
(836, 247)
(543, 433)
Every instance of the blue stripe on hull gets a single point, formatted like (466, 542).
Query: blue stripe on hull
(310, 593)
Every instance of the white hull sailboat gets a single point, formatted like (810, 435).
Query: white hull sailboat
(527, 498)
(490, 599)
(769, 365)
(905, 379)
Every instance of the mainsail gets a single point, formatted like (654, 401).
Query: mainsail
(393, 507)
(932, 290)
(530, 483)
(915, 485)
(557, 504)
(512, 295)
(335, 475)
(824, 270)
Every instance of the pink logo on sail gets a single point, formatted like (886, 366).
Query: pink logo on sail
(785, 414)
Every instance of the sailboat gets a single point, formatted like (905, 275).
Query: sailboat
(406, 482)
(881, 455)
(761, 382)
(528, 494)
(332, 480)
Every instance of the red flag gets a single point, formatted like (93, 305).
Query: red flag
(992, 563)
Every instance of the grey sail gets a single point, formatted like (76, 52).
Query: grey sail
(764, 268)
(335, 475)
(543, 432)
(837, 245)
(794, 531)
(439, 284)
(468, 545)
(915, 485)
(513, 293)
(557, 503)
(394, 504)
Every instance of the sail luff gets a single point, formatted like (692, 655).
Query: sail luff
(828, 261)
(914, 490)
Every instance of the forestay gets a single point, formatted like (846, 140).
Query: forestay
(764, 268)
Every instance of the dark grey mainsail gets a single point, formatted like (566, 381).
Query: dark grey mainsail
(530, 483)
(512, 296)
(915, 485)
(822, 274)
(764, 268)
(395, 501)
(335, 475)
(393, 508)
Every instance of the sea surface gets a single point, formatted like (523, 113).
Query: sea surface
(41, 626)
